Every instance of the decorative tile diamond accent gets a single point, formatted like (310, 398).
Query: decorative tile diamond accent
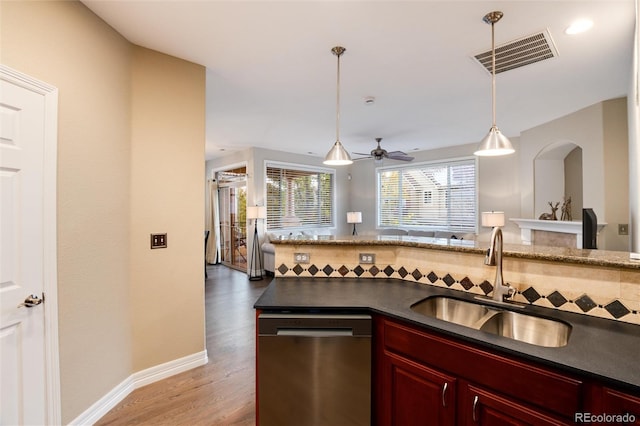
(531, 295)
(298, 269)
(585, 303)
(343, 270)
(389, 270)
(416, 275)
(486, 287)
(403, 272)
(327, 270)
(556, 299)
(374, 270)
(467, 283)
(432, 277)
(449, 280)
(358, 270)
(282, 269)
(313, 269)
(617, 309)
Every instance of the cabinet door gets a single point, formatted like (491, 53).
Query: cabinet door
(482, 407)
(616, 403)
(416, 394)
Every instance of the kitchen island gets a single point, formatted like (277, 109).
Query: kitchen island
(470, 373)
(475, 374)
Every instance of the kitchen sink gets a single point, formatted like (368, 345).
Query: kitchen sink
(452, 310)
(529, 329)
(513, 325)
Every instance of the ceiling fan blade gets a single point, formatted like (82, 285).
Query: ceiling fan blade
(362, 158)
(400, 157)
(361, 153)
(396, 154)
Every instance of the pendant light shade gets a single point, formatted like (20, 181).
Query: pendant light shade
(495, 143)
(338, 156)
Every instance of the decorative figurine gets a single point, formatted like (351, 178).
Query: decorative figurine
(552, 215)
(566, 210)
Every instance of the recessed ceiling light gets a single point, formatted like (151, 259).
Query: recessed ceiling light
(579, 26)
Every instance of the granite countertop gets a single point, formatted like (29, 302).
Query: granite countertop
(599, 348)
(606, 258)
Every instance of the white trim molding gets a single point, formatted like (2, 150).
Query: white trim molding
(527, 226)
(135, 381)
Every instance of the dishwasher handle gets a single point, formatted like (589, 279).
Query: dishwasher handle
(314, 332)
(314, 325)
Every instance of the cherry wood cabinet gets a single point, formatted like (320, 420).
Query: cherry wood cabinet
(418, 395)
(618, 403)
(425, 378)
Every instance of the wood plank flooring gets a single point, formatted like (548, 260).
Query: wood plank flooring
(222, 392)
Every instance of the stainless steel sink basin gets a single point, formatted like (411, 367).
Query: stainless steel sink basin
(529, 329)
(451, 310)
(513, 325)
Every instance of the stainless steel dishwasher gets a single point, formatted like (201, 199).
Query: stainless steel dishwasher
(314, 369)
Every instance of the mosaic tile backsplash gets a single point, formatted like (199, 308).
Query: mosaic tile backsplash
(603, 292)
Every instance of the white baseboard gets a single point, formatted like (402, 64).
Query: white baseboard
(135, 381)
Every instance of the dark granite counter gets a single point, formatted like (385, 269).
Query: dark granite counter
(618, 259)
(599, 348)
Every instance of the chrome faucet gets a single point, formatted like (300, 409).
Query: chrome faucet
(494, 258)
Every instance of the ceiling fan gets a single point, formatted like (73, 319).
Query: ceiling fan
(379, 154)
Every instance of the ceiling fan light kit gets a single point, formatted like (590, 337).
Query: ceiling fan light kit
(495, 143)
(337, 155)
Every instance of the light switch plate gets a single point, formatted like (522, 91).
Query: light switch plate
(158, 241)
(623, 229)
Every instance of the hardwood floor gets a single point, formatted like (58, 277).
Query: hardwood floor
(222, 392)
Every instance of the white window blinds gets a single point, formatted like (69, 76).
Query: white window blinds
(439, 196)
(299, 198)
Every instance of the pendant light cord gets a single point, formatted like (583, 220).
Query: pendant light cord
(338, 53)
(493, 73)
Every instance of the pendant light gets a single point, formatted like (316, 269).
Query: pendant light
(338, 156)
(495, 143)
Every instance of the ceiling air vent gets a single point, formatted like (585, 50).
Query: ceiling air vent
(518, 53)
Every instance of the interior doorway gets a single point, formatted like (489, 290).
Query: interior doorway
(232, 194)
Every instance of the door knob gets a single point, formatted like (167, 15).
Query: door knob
(31, 301)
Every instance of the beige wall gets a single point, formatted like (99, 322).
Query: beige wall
(616, 172)
(167, 183)
(102, 172)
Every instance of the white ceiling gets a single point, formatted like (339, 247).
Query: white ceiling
(271, 76)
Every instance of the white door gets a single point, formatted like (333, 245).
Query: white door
(25, 376)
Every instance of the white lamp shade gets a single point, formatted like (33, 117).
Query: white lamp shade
(256, 212)
(354, 217)
(492, 219)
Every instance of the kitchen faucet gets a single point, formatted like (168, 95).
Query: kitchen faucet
(494, 258)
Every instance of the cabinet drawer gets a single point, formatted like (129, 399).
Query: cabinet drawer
(542, 387)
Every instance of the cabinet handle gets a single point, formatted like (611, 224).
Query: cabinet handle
(444, 394)
(475, 404)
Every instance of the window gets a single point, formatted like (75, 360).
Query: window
(299, 197)
(439, 196)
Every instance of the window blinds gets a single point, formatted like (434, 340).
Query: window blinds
(299, 198)
(439, 196)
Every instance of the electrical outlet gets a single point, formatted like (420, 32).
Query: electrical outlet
(623, 229)
(366, 258)
(301, 257)
(158, 241)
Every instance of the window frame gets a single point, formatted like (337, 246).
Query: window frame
(441, 162)
(301, 168)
